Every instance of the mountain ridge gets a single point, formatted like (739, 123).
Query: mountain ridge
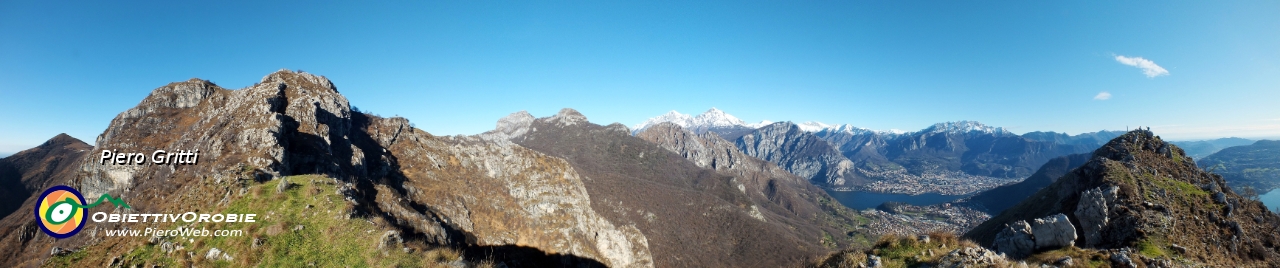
(1255, 165)
(1140, 200)
(421, 186)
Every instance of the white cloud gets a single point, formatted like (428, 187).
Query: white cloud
(1148, 67)
(1102, 96)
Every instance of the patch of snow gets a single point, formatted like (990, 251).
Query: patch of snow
(813, 126)
(966, 127)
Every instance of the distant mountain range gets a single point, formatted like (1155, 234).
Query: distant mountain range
(1201, 149)
(1256, 165)
(852, 158)
(561, 191)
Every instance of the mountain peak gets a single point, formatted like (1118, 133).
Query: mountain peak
(965, 126)
(515, 123)
(569, 117)
(61, 139)
(716, 118)
(814, 126)
(298, 78)
(713, 118)
(1137, 142)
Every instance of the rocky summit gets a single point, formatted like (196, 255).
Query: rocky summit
(1138, 201)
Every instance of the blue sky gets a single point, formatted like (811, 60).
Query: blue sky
(456, 67)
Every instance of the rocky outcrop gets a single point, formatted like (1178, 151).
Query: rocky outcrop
(513, 125)
(1053, 232)
(568, 117)
(974, 257)
(504, 194)
(1020, 239)
(1016, 240)
(801, 153)
(1092, 211)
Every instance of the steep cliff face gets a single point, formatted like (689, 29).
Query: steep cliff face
(866, 148)
(781, 195)
(801, 153)
(500, 193)
(466, 192)
(1141, 199)
(691, 216)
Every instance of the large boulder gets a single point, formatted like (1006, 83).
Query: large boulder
(1016, 240)
(974, 257)
(1092, 212)
(1053, 232)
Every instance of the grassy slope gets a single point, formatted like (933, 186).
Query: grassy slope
(328, 237)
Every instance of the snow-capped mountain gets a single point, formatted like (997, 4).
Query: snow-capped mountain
(683, 120)
(718, 121)
(713, 119)
(760, 124)
(966, 127)
(813, 126)
(716, 118)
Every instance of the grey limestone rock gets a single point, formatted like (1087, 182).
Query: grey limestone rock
(1121, 259)
(1053, 232)
(973, 257)
(569, 117)
(799, 152)
(1092, 211)
(618, 128)
(1016, 240)
(390, 239)
(514, 125)
(874, 261)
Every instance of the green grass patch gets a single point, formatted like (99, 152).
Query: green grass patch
(307, 224)
(66, 260)
(1152, 248)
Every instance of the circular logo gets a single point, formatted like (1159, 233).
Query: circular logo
(61, 212)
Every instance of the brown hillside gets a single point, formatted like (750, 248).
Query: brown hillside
(692, 217)
(23, 176)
